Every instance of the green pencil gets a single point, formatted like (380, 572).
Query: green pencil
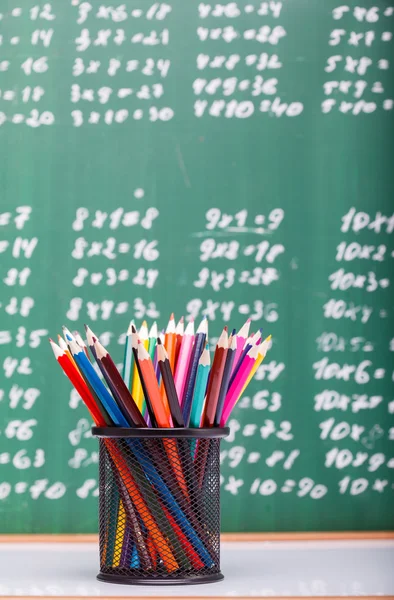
(152, 341)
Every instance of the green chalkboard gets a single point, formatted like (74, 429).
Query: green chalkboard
(231, 159)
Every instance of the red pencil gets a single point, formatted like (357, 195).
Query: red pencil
(78, 382)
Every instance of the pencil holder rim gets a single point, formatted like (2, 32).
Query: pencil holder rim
(164, 432)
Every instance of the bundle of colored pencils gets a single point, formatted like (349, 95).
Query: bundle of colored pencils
(167, 379)
(167, 382)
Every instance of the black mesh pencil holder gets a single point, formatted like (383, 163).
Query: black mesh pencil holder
(159, 505)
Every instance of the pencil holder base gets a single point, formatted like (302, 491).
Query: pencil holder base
(195, 580)
(159, 506)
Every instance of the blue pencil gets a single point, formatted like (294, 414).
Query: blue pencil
(199, 343)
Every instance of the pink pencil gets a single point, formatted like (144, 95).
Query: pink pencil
(236, 387)
(242, 336)
(182, 366)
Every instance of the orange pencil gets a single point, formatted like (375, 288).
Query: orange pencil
(170, 342)
(152, 387)
(179, 331)
(162, 419)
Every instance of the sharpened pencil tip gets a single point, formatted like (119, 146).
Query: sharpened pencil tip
(172, 317)
(101, 352)
(142, 353)
(75, 349)
(58, 352)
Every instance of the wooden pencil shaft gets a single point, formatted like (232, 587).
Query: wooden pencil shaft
(144, 391)
(187, 400)
(224, 386)
(172, 396)
(185, 543)
(213, 389)
(134, 523)
(81, 387)
(148, 375)
(128, 363)
(162, 464)
(160, 542)
(142, 468)
(152, 387)
(121, 392)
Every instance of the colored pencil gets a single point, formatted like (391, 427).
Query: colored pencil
(169, 385)
(81, 343)
(128, 359)
(263, 349)
(182, 365)
(65, 347)
(118, 387)
(250, 342)
(152, 387)
(134, 526)
(68, 336)
(200, 388)
(226, 378)
(137, 391)
(162, 419)
(152, 341)
(134, 344)
(199, 343)
(179, 331)
(215, 378)
(242, 336)
(235, 388)
(170, 342)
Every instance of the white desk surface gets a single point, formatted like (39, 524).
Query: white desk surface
(251, 569)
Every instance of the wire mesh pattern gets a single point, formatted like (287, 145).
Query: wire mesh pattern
(159, 510)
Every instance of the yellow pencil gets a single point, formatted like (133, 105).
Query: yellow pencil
(136, 391)
(120, 532)
(264, 346)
